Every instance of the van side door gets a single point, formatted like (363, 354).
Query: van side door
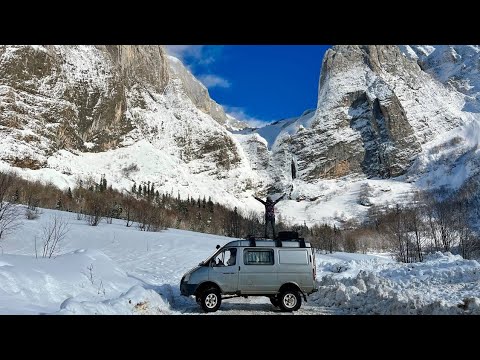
(224, 270)
(257, 272)
(296, 267)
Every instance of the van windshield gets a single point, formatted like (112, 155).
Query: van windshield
(207, 260)
(222, 257)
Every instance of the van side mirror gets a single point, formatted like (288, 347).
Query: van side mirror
(217, 247)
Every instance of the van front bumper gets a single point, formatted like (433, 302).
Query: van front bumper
(187, 289)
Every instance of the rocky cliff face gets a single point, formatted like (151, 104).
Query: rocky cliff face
(71, 97)
(196, 91)
(376, 107)
(199, 95)
(130, 112)
(88, 98)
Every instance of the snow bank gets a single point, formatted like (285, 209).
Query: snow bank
(442, 284)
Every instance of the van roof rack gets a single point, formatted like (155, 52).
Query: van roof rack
(282, 236)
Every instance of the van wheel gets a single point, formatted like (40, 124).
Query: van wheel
(210, 300)
(290, 300)
(274, 300)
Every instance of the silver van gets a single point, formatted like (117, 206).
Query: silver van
(283, 270)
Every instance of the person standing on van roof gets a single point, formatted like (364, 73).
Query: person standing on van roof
(269, 212)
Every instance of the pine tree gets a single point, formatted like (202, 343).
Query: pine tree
(69, 193)
(102, 186)
(210, 204)
(204, 205)
(134, 188)
(144, 190)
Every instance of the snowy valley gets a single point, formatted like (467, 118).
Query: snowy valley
(383, 177)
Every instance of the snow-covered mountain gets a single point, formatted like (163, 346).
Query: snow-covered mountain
(384, 122)
(132, 113)
(457, 66)
(387, 118)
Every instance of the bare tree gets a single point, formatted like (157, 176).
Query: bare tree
(352, 242)
(52, 234)
(95, 208)
(143, 215)
(467, 240)
(393, 229)
(128, 206)
(253, 224)
(414, 235)
(9, 211)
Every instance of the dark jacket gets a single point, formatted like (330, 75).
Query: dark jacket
(270, 206)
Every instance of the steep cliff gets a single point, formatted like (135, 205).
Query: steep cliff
(376, 108)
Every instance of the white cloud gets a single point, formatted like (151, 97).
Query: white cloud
(199, 54)
(184, 51)
(198, 59)
(211, 81)
(240, 114)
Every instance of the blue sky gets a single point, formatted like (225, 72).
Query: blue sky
(257, 83)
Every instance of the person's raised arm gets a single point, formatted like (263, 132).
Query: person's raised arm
(256, 198)
(280, 198)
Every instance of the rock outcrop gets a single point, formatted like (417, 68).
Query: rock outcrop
(376, 107)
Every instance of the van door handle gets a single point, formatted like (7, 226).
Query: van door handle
(239, 268)
(228, 273)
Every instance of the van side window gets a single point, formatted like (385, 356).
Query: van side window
(293, 256)
(258, 257)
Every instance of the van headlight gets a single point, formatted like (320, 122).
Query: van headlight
(186, 277)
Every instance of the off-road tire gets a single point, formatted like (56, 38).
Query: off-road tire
(210, 300)
(290, 300)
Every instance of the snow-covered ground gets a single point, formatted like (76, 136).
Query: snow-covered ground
(112, 269)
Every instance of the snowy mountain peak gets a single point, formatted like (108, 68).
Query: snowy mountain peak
(198, 93)
(375, 109)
